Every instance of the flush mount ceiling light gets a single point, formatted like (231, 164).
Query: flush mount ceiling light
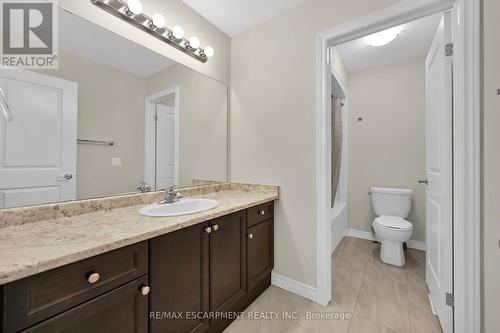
(383, 37)
(131, 11)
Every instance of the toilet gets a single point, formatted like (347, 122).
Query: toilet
(392, 206)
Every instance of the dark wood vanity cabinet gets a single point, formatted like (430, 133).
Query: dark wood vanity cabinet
(197, 271)
(227, 266)
(183, 281)
(259, 252)
(179, 270)
(31, 300)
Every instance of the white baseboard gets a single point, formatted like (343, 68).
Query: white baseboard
(417, 245)
(412, 244)
(360, 234)
(293, 286)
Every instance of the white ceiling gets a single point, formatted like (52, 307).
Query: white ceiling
(81, 37)
(236, 16)
(413, 42)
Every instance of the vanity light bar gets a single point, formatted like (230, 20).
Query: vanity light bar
(135, 16)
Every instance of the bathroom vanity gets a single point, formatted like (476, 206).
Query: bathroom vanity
(189, 273)
(81, 250)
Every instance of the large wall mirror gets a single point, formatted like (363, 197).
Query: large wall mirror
(113, 117)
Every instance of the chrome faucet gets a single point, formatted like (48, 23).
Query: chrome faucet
(171, 196)
(144, 188)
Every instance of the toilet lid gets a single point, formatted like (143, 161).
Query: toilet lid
(393, 222)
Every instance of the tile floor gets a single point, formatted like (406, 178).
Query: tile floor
(379, 298)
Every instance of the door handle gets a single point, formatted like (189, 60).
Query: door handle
(423, 181)
(65, 177)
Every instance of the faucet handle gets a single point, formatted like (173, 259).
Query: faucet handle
(144, 187)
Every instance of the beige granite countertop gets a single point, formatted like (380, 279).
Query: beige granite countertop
(30, 248)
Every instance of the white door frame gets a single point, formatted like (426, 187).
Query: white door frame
(466, 149)
(150, 134)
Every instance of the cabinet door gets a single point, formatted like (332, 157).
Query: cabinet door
(227, 262)
(179, 280)
(259, 252)
(123, 310)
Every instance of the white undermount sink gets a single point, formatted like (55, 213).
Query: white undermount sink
(181, 207)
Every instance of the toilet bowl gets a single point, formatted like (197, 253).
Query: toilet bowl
(392, 206)
(392, 232)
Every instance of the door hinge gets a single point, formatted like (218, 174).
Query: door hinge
(155, 117)
(448, 49)
(450, 299)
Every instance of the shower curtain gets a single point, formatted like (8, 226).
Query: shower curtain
(336, 144)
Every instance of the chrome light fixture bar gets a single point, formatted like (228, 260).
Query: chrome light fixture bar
(142, 21)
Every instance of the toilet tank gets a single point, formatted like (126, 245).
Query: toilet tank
(391, 201)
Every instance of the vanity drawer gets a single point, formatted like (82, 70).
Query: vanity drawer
(122, 310)
(259, 213)
(33, 299)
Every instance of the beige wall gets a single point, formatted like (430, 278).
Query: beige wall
(175, 12)
(491, 167)
(387, 148)
(202, 121)
(338, 65)
(106, 97)
(273, 119)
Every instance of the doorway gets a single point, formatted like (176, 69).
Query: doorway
(466, 129)
(162, 139)
(338, 177)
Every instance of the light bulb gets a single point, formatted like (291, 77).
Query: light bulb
(177, 32)
(383, 37)
(209, 51)
(194, 42)
(135, 6)
(158, 20)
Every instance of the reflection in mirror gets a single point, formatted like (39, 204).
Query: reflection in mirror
(114, 118)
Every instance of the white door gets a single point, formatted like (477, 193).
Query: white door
(439, 167)
(165, 146)
(38, 146)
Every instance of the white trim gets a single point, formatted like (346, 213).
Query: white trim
(417, 245)
(412, 244)
(360, 234)
(293, 286)
(467, 149)
(149, 134)
(323, 225)
(467, 166)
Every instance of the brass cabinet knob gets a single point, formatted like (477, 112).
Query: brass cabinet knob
(93, 277)
(216, 227)
(262, 212)
(250, 236)
(145, 290)
(208, 230)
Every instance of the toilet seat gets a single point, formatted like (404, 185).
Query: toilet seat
(394, 222)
